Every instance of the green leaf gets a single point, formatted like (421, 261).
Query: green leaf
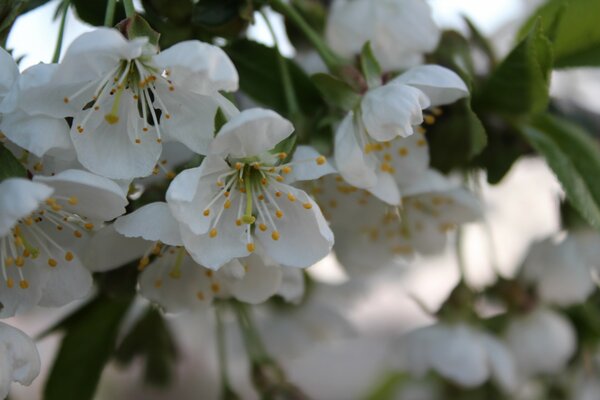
(370, 66)
(136, 27)
(575, 159)
(335, 91)
(520, 84)
(10, 167)
(456, 138)
(480, 40)
(151, 339)
(92, 12)
(257, 66)
(89, 341)
(454, 52)
(575, 31)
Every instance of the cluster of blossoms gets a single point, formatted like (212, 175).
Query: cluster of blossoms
(246, 204)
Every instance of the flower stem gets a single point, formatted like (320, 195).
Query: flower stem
(286, 78)
(61, 31)
(332, 60)
(109, 15)
(129, 9)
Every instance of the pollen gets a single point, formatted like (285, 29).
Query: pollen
(307, 206)
(429, 119)
(20, 261)
(275, 235)
(239, 165)
(9, 283)
(52, 262)
(277, 194)
(320, 160)
(38, 167)
(138, 141)
(287, 169)
(144, 261)
(80, 129)
(422, 142)
(291, 197)
(262, 227)
(279, 214)
(69, 256)
(282, 155)
(24, 284)
(73, 200)
(77, 234)
(213, 233)
(66, 100)
(279, 178)
(111, 118)
(89, 226)
(238, 222)
(215, 287)
(208, 273)
(403, 151)
(250, 247)
(227, 204)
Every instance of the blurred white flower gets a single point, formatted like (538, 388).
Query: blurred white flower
(40, 221)
(369, 151)
(542, 342)
(19, 358)
(240, 195)
(126, 98)
(458, 352)
(400, 31)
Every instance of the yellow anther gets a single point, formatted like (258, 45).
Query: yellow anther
(206, 213)
(275, 235)
(66, 100)
(403, 151)
(144, 261)
(80, 129)
(89, 226)
(77, 234)
(38, 167)
(170, 175)
(8, 261)
(377, 147)
(52, 262)
(73, 200)
(9, 283)
(421, 142)
(250, 247)
(227, 204)
(291, 197)
(279, 214)
(215, 287)
(387, 157)
(279, 178)
(282, 155)
(277, 194)
(286, 170)
(238, 222)
(386, 167)
(56, 207)
(28, 221)
(261, 197)
(213, 233)
(429, 119)
(24, 284)
(227, 193)
(220, 183)
(256, 165)
(262, 227)
(138, 141)
(168, 116)
(320, 160)
(239, 165)
(200, 296)
(308, 206)
(69, 256)
(20, 261)
(158, 140)
(208, 273)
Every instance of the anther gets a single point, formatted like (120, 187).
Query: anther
(52, 262)
(275, 235)
(262, 227)
(307, 206)
(291, 197)
(320, 160)
(213, 233)
(24, 284)
(250, 247)
(69, 256)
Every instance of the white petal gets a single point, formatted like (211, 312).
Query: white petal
(192, 190)
(101, 141)
(8, 72)
(21, 353)
(261, 281)
(98, 198)
(441, 85)
(386, 189)
(304, 236)
(153, 222)
(36, 133)
(350, 24)
(392, 110)
(15, 299)
(305, 166)
(66, 282)
(292, 285)
(251, 133)
(107, 249)
(199, 67)
(192, 118)
(429, 181)
(354, 165)
(410, 160)
(501, 362)
(19, 198)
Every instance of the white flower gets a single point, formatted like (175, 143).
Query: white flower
(126, 99)
(561, 271)
(367, 142)
(34, 132)
(370, 234)
(240, 196)
(39, 222)
(542, 341)
(174, 280)
(19, 358)
(400, 31)
(458, 352)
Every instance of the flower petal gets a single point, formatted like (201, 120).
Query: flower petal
(386, 189)
(9, 72)
(441, 85)
(22, 356)
(199, 67)
(308, 165)
(107, 249)
(292, 285)
(261, 280)
(19, 198)
(251, 133)
(153, 222)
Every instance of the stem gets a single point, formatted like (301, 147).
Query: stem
(286, 78)
(109, 15)
(332, 60)
(226, 392)
(254, 346)
(129, 9)
(61, 31)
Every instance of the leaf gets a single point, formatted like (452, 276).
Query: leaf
(480, 40)
(89, 341)
(93, 12)
(456, 138)
(454, 52)
(10, 167)
(370, 66)
(257, 66)
(335, 91)
(136, 27)
(520, 84)
(575, 159)
(151, 339)
(575, 31)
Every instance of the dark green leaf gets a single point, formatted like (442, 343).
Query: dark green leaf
(335, 91)
(89, 341)
(454, 52)
(480, 41)
(520, 84)
(370, 66)
(257, 66)
(10, 167)
(225, 17)
(574, 158)
(92, 12)
(456, 137)
(574, 31)
(151, 339)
